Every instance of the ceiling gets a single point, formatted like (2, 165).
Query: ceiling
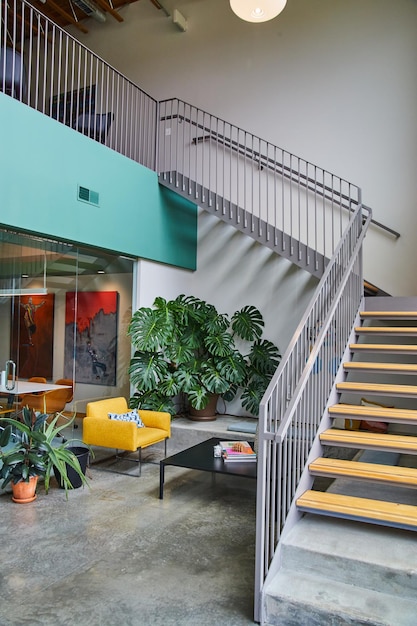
(80, 13)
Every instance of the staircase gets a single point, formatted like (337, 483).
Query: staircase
(366, 509)
(252, 225)
(360, 568)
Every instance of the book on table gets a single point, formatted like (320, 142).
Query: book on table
(237, 451)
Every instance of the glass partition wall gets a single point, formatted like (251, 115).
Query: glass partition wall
(64, 312)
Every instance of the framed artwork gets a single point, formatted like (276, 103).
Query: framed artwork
(91, 336)
(32, 335)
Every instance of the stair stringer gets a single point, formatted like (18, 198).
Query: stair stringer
(258, 229)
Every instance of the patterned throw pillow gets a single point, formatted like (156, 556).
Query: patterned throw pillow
(130, 416)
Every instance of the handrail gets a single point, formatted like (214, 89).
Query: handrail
(260, 159)
(264, 161)
(294, 403)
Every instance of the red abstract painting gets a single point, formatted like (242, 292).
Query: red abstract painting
(91, 336)
(32, 335)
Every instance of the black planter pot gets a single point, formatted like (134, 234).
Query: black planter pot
(75, 480)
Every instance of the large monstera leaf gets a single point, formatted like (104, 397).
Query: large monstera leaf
(251, 398)
(147, 370)
(213, 380)
(248, 323)
(198, 397)
(219, 344)
(264, 357)
(149, 329)
(152, 401)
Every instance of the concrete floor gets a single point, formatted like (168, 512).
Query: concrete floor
(116, 555)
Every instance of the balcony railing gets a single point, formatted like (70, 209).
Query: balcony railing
(46, 68)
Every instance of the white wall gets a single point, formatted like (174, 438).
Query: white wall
(331, 81)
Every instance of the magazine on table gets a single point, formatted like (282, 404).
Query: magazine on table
(237, 451)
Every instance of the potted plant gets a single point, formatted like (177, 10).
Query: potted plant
(29, 449)
(186, 346)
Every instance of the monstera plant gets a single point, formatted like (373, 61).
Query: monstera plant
(186, 346)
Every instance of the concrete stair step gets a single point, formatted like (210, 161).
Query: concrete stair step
(370, 413)
(300, 599)
(386, 474)
(391, 514)
(354, 554)
(305, 600)
(372, 441)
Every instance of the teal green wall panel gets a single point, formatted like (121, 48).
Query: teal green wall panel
(42, 162)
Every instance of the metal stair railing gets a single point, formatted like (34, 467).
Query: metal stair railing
(292, 408)
(270, 193)
(49, 70)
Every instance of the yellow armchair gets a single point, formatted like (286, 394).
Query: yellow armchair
(100, 430)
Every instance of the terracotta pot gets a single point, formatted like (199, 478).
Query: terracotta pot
(208, 414)
(23, 491)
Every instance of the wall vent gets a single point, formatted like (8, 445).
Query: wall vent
(86, 195)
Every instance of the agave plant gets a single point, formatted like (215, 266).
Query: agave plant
(29, 448)
(186, 346)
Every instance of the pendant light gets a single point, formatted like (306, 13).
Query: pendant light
(257, 10)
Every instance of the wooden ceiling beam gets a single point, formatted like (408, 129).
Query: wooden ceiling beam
(106, 7)
(67, 16)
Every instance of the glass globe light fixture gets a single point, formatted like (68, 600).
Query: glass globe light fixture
(257, 10)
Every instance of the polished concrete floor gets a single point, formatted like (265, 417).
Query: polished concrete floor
(115, 554)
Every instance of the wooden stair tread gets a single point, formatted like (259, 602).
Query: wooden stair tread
(362, 509)
(368, 440)
(386, 330)
(401, 368)
(387, 474)
(384, 348)
(389, 314)
(374, 412)
(398, 390)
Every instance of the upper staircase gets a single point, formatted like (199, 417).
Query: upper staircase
(343, 571)
(252, 225)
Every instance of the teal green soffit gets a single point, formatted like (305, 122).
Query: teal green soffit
(42, 165)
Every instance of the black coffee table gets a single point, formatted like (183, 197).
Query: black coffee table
(200, 457)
